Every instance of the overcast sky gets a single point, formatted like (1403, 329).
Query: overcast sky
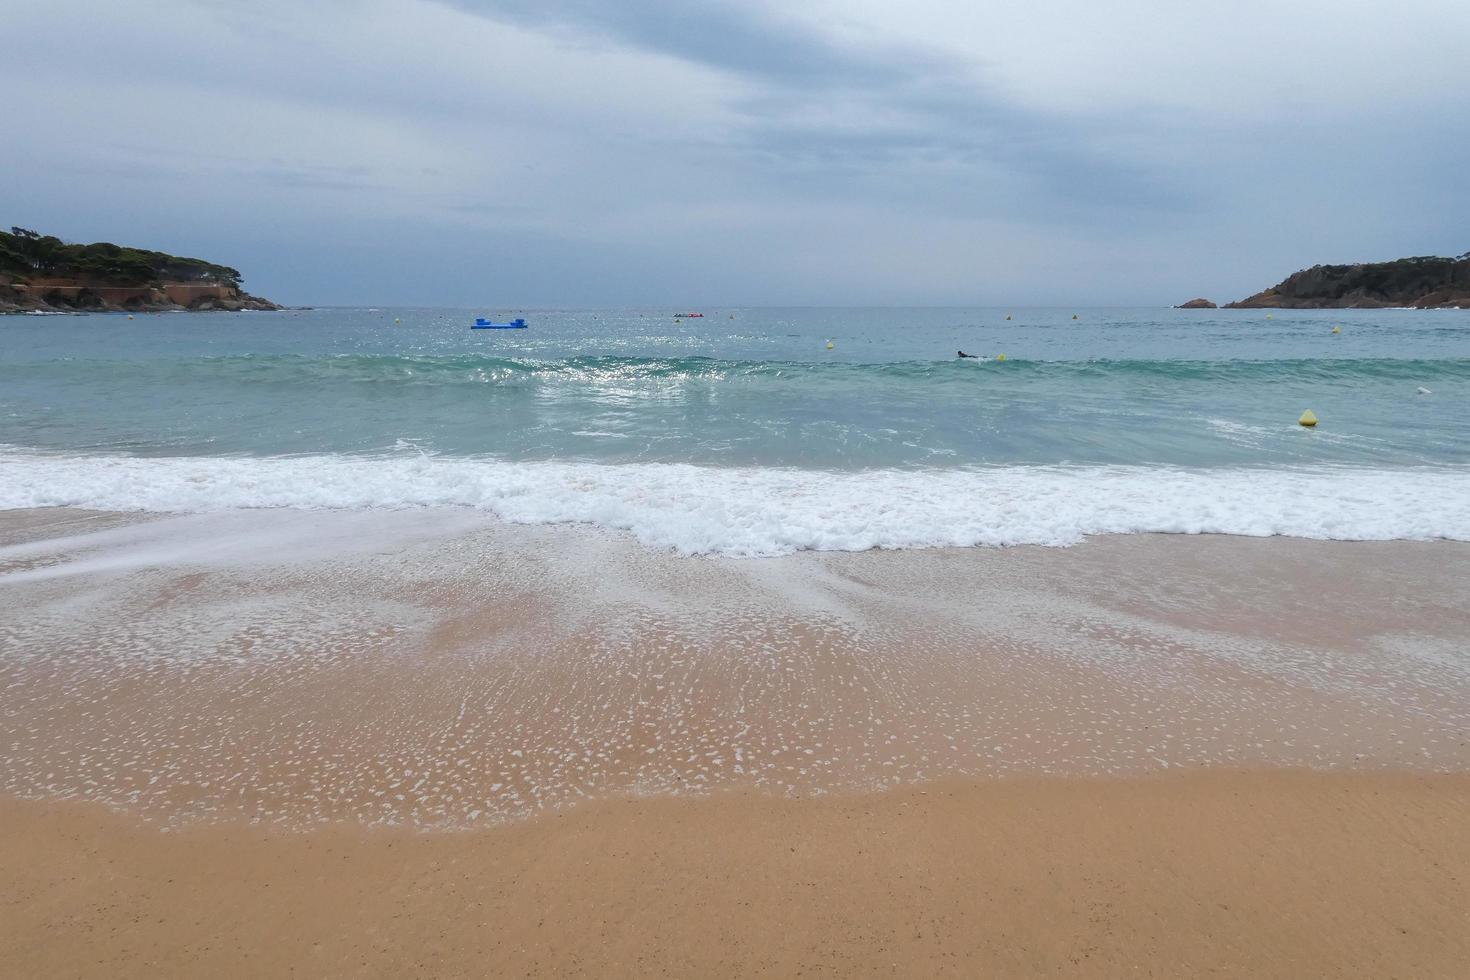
(658, 152)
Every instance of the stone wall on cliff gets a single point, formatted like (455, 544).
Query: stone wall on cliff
(54, 295)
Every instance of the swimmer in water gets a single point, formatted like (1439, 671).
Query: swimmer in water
(963, 354)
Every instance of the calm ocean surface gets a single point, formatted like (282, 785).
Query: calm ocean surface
(747, 435)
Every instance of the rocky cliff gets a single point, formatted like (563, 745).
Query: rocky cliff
(1425, 282)
(78, 296)
(41, 273)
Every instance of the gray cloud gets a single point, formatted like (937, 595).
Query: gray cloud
(459, 151)
(735, 37)
(912, 105)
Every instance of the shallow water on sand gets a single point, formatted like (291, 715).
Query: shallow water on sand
(442, 669)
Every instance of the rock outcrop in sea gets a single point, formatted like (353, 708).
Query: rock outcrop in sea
(1197, 304)
(43, 274)
(1425, 282)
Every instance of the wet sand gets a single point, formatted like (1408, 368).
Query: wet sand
(426, 741)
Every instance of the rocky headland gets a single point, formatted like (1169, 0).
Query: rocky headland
(43, 274)
(1197, 304)
(1424, 282)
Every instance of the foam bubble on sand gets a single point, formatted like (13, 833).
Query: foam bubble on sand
(748, 511)
(442, 668)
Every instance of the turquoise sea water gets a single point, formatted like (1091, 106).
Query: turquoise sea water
(635, 420)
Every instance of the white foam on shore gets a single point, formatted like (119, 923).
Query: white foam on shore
(750, 511)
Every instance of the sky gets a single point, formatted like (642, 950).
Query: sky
(571, 153)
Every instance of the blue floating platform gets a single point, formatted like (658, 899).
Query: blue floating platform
(483, 324)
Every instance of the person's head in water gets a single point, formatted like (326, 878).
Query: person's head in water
(963, 354)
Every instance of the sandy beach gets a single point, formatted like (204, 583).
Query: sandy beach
(427, 742)
(735, 490)
(1234, 874)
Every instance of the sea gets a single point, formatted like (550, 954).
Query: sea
(760, 432)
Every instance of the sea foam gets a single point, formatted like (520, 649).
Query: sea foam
(754, 511)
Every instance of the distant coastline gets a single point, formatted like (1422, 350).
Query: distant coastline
(42, 274)
(1423, 282)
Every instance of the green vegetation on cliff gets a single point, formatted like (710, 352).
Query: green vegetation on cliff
(25, 254)
(1423, 281)
(42, 274)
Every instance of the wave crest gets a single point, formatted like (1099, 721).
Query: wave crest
(758, 511)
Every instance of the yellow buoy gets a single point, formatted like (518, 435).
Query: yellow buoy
(1074, 316)
(1307, 419)
(829, 345)
(396, 320)
(130, 316)
(1000, 357)
(1337, 330)
(1268, 316)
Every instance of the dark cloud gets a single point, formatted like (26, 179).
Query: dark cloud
(732, 37)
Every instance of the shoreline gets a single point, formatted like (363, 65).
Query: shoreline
(768, 512)
(441, 669)
(149, 310)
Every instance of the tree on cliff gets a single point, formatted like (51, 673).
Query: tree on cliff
(38, 252)
(25, 252)
(1421, 280)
